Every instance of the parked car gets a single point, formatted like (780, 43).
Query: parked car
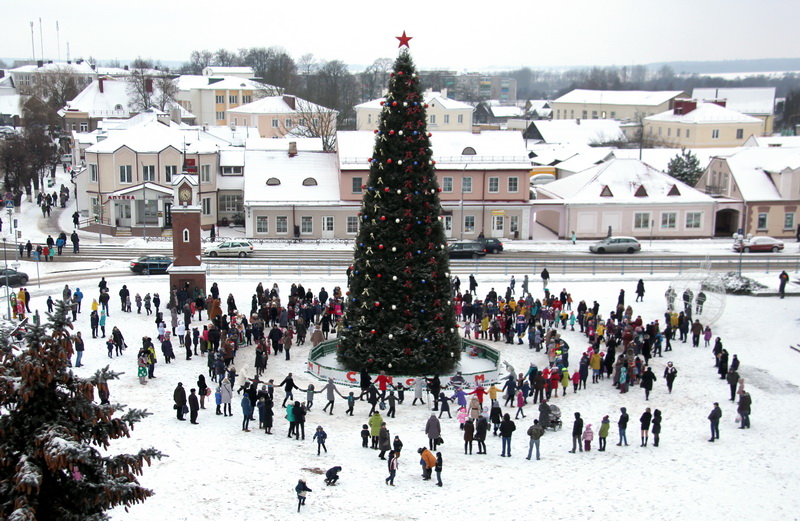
(151, 264)
(230, 249)
(490, 244)
(758, 244)
(616, 245)
(14, 277)
(465, 250)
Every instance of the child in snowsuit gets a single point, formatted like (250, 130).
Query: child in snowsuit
(301, 490)
(588, 436)
(364, 434)
(320, 436)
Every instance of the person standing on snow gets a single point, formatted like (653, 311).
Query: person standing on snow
(577, 433)
(714, 417)
(622, 424)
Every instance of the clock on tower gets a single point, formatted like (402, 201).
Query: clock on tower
(187, 270)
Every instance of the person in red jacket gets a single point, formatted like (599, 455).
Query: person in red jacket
(382, 380)
(555, 380)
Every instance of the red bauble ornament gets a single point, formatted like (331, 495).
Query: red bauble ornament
(389, 161)
(370, 360)
(383, 217)
(439, 189)
(386, 189)
(377, 304)
(379, 275)
(391, 132)
(426, 105)
(382, 102)
(348, 293)
(373, 332)
(434, 161)
(363, 187)
(429, 134)
(394, 104)
(399, 73)
(359, 213)
(380, 246)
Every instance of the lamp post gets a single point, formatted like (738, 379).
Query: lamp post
(738, 237)
(5, 261)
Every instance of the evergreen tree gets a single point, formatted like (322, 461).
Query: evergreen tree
(52, 433)
(399, 316)
(685, 167)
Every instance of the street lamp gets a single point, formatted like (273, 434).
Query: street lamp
(738, 237)
(5, 260)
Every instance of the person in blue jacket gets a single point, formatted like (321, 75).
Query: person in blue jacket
(301, 490)
(247, 411)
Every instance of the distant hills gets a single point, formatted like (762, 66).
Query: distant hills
(731, 66)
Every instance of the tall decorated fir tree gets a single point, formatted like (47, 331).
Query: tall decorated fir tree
(54, 437)
(399, 315)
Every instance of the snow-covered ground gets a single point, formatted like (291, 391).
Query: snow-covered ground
(214, 469)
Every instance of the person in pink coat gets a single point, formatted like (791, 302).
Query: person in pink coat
(576, 381)
(588, 436)
(707, 335)
(520, 404)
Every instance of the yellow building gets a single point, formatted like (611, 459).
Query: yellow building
(701, 125)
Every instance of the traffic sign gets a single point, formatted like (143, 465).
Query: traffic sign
(9, 196)
(10, 205)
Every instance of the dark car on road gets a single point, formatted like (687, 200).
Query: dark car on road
(491, 244)
(14, 277)
(465, 250)
(758, 244)
(151, 264)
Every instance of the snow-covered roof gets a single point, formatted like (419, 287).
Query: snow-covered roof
(304, 144)
(235, 135)
(291, 172)
(113, 101)
(588, 131)
(9, 105)
(194, 82)
(430, 98)
(537, 104)
(279, 105)
(750, 168)
(660, 157)
(214, 70)
(619, 97)
(587, 159)
(506, 111)
(83, 68)
(622, 179)
(773, 141)
(705, 113)
(493, 149)
(231, 157)
(153, 137)
(744, 100)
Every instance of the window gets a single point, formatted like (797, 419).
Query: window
(446, 119)
(494, 184)
(247, 99)
(306, 224)
(513, 223)
(125, 174)
(585, 114)
(275, 123)
(92, 173)
(309, 181)
(205, 173)
(84, 127)
(281, 224)
(273, 181)
(369, 119)
(148, 172)
(461, 118)
(233, 99)
(262, 224)
(678, 132)
(558, 114)
(447, 184)
(186, 235)
(357, 183)
(469, 223)
(641, 220)
(788, 221)
(220, 99)
(352, 224)
(220, 115)
(513, 184)
(498, 223)
(571, 114)
(235, 122)
(169, 172)
(433, 119)
(693, 219)
(230, 203)
(594, 114)
(669, 132)
(687, 132)
(466, 185)
(739, 133)
(715, 134)
(668, 220)
(232, 170)
(762, 221)
(327, 224)
(206, 203)
(659, 131)
(288, 122)
(613, 115)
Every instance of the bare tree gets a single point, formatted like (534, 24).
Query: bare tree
(313, 121)
(57, 87)
(225, 58)
(166, 90)
(15, 162)
(140, 89)
(375, 78)
(42, 153)
(142, 63)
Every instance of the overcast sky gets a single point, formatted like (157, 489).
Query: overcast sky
(466, 35)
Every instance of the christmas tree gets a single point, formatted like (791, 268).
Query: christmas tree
(52, 433)
(399, 316)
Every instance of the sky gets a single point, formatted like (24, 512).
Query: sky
(461, 37)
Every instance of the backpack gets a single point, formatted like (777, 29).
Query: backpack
(382, 406)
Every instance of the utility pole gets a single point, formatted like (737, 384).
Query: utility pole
(33, 45)
(41, 38)
(58, 41)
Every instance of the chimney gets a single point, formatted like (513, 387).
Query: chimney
(684, 106)
(721, 102)
(148, 85)
(205, 127)
(163, 118)
(292, 148)
(93, 66)
(2, 73)
(175, 115)
(125, 68)
(100, 84)
(290, 100)
(69, 62)
(40, 63)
